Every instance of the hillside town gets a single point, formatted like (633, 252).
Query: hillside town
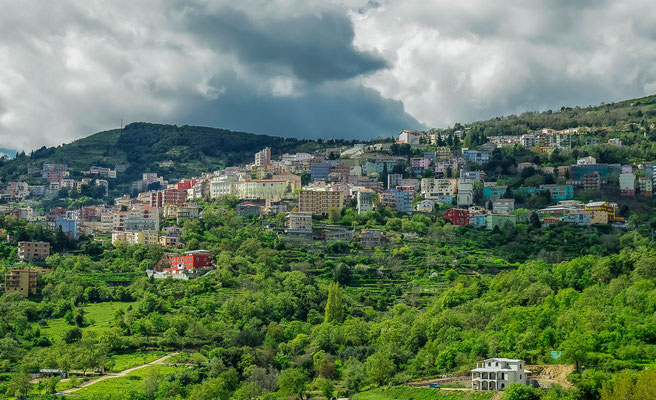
(415, 174)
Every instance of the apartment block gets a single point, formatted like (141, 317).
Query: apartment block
(319, 201)
(33, 250)
(23, 281)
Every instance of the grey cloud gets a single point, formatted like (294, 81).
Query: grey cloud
(315, 48)
(337, 110)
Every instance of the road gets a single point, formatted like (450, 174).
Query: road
(119, 374)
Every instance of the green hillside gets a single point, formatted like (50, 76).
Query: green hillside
(142, 146)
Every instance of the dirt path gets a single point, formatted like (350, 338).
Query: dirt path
(119, 374)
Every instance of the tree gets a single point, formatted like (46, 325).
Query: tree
(535, 221)
(517, 391)
(293, 382)
(19, 386)
(73, 335)
(379, 368)
(333, 304)
(151, 382)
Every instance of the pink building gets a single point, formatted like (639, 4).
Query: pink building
(420, 162)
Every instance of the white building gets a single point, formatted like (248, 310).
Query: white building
(465, 192)
(498, 373)
(529, 141)
(365, 200)
(586, 161)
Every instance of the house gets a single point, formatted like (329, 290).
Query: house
(365, 200)
(409, 137)
(426, 206)
(247, 209)
(169, 241)
(549, 221)
(189, 265)
(525, 165)
(186, 213)
(33, 250)
(577, 218)
(138, 237)
(615, 142)
(586, 161)
(498, 373)
(370, 237)
(457, 216)
(503, 206)
(478, 220)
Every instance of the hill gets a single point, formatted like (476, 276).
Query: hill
(141, 147)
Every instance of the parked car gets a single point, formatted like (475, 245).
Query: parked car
(434, 385)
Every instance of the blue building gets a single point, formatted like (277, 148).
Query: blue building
(68, 226)
(319, 172)
(476, 156)
(494, 192)
(478, 221)
(398, 200)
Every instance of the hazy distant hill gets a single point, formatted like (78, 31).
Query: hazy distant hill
(143, 146)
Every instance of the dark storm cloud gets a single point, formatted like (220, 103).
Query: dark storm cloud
(337, 110)
(343, 68)
(315, 48)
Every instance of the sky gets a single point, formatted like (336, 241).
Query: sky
(333, 68)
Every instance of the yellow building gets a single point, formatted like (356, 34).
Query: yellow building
(598, 217)
(139, 237)
(319, 201)
(23, 281)
(605, 207)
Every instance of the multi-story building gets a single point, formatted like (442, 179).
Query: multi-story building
(436, 188)
(503, 206)
(426, 206)
(263, 157)
(476, 156)
(646, 186)
(190, 261)
(627, 184)
(465, 192)
(370, 237)
(608, 208)
(559, 192)
(457, 216)
(393, 180)
(320, 172)
(409, 137)
(297, 222)
(420, 163)
(169, 241)
(19, 190)
(33, 250)
(365, 200)
(140, 237)
(23, 281)
(592, 181)
(160, 198)
(398, 200)
(69, 226)
(246, 209)
(494, 192)
(498, 373)
(500, 220)
(529, 141)
(145, 219)
(319, 201)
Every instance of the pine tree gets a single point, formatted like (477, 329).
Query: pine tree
(333, 304)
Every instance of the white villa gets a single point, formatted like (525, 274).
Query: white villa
(498, 373)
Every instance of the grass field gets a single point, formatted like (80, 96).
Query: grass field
(98, 318)
(412, 393)
(125, 361)
(132, 382)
